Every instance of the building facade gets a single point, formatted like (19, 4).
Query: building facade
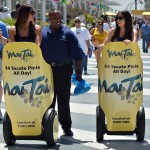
(147, 5)
(69, 11)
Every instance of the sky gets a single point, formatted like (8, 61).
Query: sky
(130, 4)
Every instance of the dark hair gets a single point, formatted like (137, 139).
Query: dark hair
(100, 22)
(17, 6)
(22, 17)
(128, 26)
(54, 11)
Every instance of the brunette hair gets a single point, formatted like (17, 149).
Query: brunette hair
(101, 23)
(22, 17)
(128, 26)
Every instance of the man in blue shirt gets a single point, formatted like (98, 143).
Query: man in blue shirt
(145, 31)
(59, 47)
(3, 40)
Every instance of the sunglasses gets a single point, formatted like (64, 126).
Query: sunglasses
(120, 18)
(77, 21)
(32, 12)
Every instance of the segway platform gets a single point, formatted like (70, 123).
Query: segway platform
(28, 94)
(120, 92)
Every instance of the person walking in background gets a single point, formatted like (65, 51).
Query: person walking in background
(59, 47)
(3, 41)
(98, 37)
(105, 25)
(84, 39)
(136, 27)
(124, 30)
(113, 23)
(145, 35)
(5, 14)
(14, 12)
(25, 30)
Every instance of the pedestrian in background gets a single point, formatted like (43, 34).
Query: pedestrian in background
(5, 14)
(105, 25)
(83, 37)
(124, 30)
(14, 12)
(145, 35)
(136, 26)
(3, 41)
(25, 30)
(59, 47)
(98, 37)
(113, 23)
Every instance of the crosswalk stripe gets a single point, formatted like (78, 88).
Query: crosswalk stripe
(95, 90)
(89, 109)
(145, 56)
(146, 62)
(146, 73)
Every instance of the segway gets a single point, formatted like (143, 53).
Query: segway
(28, 94)
(120, 92)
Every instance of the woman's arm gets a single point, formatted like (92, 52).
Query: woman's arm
(12, 33)
(38, 32)
(134, 35)
(109, 36)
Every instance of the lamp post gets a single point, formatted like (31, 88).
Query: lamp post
(135, 4)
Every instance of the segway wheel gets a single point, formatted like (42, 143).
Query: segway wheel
(140, 132)
(49, 129)
(9, 138)
(99, 124)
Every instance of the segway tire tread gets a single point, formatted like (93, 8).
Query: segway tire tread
(140, 132)
(99, 125)
(9, 138)
(49, 136)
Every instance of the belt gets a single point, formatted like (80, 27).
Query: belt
(54, 64)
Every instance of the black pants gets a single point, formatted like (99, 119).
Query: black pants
(62, 85)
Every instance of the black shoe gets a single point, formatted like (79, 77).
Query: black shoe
(68, 133)
(85, 73)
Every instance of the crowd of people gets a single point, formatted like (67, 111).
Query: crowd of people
(63, 47)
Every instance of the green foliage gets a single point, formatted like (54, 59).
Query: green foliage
(89, 18)
(42, 24)
(9, 22)
(71, 23)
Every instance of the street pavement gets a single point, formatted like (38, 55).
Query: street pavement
(83, 111)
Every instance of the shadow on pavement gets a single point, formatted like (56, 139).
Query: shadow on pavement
(126, 145)
(70, 140)
(32, 146)
(63, 140)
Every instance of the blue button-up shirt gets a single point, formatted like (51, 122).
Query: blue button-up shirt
(60, 47)
(145, 29)
(4, 33)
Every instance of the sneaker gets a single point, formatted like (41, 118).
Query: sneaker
(1, 116)
(85, 73)
(68, 132)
